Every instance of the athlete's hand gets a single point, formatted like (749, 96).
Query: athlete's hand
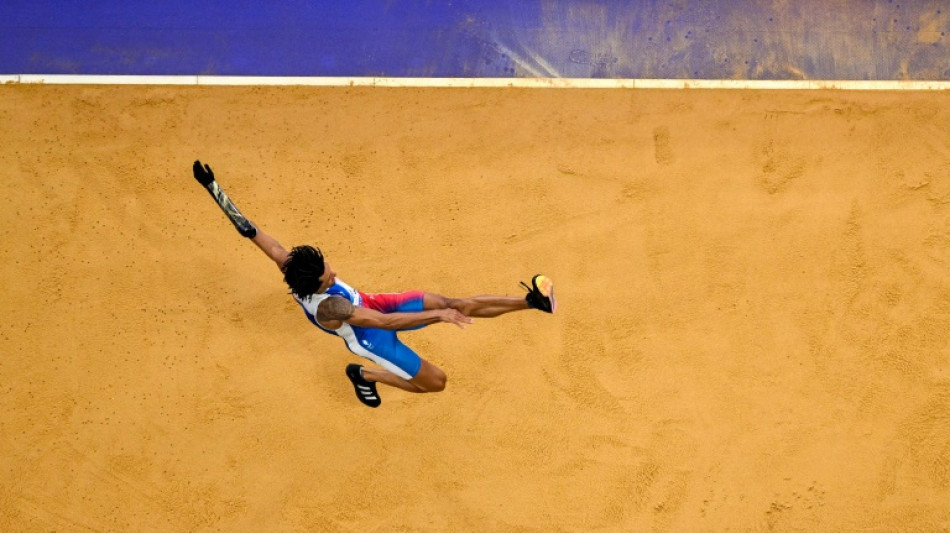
(453, 316)
(203, 174)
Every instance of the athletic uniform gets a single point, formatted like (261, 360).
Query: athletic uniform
(378, 345)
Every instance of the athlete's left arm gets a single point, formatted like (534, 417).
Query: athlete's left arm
(334, 310)
(369, 318)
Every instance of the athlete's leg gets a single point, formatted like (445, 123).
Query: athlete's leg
(400, 366)
(484, 306)
(429, 378)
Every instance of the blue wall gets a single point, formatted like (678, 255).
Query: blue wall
(746, 39)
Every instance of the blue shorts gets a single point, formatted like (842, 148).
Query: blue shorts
(384, 347)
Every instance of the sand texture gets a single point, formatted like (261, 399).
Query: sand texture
(753, 330)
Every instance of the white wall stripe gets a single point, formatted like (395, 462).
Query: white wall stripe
(531, 83)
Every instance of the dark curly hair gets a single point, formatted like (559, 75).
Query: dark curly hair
(303, 269)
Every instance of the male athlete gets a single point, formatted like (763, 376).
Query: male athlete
(368, 322)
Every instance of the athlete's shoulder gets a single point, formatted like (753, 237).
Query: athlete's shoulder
(335, 308)
(343, 290)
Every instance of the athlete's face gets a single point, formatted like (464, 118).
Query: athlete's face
(328, 278)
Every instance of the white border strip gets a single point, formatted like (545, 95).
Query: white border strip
(529, 83)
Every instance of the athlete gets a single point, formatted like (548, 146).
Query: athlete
(368, 323)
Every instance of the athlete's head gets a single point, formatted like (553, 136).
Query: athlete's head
(303, 270)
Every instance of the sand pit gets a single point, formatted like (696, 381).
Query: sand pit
(752, 334)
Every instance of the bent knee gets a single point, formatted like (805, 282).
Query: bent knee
(429, 379)
(436, 383)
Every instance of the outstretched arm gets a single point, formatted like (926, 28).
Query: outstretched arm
(272, 248)
(245, 227)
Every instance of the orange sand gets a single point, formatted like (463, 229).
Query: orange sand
(753, 333)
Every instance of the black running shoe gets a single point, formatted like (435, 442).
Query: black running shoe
(365, 390)
(541, 294)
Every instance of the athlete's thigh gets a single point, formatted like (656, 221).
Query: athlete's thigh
(395, 302)
(385, 349)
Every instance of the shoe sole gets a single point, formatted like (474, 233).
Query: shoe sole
(546, 288)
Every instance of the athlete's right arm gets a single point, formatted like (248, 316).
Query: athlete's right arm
(335, 309)
(265, 242)
(272, 248)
